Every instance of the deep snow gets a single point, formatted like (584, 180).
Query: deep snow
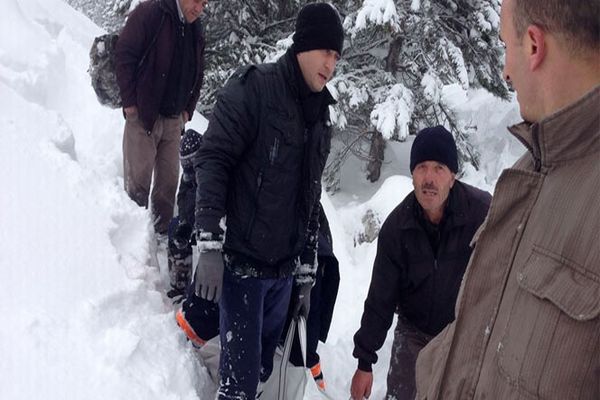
(84, 315)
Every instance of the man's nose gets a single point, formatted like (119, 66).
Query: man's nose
(330, 63)
(428, 176)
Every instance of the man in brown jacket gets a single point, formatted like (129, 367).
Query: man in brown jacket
(160, 66)
(527, 317)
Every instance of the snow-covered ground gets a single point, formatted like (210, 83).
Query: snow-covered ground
(84, 315)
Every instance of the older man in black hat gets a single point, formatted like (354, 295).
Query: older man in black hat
(259, 178)
(422, 253)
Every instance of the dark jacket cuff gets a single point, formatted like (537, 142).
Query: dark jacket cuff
(208, 227)
(365, 366)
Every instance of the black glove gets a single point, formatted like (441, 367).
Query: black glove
(300, 301)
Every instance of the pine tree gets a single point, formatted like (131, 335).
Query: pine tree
(243, 32)
(108, 14)
(402, 60)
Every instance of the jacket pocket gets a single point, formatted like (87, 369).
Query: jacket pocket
(285, 144)
(550, 345)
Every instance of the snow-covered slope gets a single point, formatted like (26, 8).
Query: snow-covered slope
(84, 315)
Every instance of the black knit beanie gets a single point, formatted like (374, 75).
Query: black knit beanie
(318, 26)
(434, 144)
(189, 146)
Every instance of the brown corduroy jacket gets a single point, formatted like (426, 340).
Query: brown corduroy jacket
(527, 318)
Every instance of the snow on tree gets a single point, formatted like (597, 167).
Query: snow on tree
(402, 62)
(109, 14)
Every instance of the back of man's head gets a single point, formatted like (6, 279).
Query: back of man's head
(575, 22)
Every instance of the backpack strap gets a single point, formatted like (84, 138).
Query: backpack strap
(162, 19)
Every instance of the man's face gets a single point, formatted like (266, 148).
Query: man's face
(192, 9)
(317, 67)
(516, 71)
(432, 181)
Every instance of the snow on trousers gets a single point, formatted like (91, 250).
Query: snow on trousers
(408, 342)
(145, 153)
(253, 313)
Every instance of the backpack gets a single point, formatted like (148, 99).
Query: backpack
(102, 68)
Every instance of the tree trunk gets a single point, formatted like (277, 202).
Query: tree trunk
(376, 154)
(391, 61)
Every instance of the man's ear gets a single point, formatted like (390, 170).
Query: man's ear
(536, 42)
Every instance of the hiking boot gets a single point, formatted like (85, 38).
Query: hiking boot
(180, 271)
(317, 375)
(179, 262)
(196, 340)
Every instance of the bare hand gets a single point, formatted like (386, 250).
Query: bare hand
(131, 110)
(362, 382)
(185, 116)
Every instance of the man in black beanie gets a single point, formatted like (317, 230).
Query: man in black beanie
(258, 173)
(422, 252)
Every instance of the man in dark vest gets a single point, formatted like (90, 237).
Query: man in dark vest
(422, 252)
(160, 66)
(259, 184)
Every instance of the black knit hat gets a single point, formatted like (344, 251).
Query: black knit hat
(189, 146)
(434, 144)
(318, 26)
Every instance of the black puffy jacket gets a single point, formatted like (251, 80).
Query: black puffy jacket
(409, 277)
(261, 167)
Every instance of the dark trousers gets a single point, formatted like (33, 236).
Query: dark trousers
(253, 313)
(408, 342)
(203, 317)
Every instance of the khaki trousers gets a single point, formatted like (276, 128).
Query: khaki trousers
(155, 153)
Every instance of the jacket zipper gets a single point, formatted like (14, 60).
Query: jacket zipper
(253, 216)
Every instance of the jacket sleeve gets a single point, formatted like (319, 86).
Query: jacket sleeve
(128, 52)
(231, 130)
(381, 301)
(191, 106)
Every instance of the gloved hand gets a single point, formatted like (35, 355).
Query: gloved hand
(181, 236)
(209, 275)
(301, 300)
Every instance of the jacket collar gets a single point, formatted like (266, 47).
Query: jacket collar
(180, 12)
(570, 133)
